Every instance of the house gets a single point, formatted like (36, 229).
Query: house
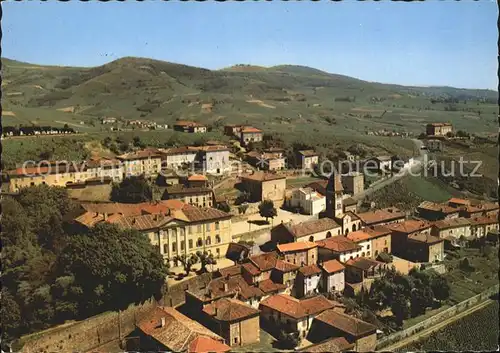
(482, 209)
(313, 230)
(310, 201)
(234, 320)
(302, 253)
(189, 126)
(308, 280)
(349, 221)
(333, 276)
(380, 164)
(373, 240)
(176, 158)
(334, 199)
(333, 323)
(338, 247)
(196, 196)
(203, 344)
(350, 205)
(434, 211)
(108, 120)
(104, 168)
(353, 182)
(214, 159)
(338, 344)
(381, 217)
(238, 252)
(361, 269)
(434, 145)
(402, 231)
(480, 226)
(270, 161)
(438, 129)
(166, 329)
(147, 162)
(423, 247)
(307, 159)
(175, 228)
(283, 312)
(250, 134)
(265, 186)
(456, 228)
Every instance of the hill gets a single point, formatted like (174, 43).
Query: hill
(273, 97)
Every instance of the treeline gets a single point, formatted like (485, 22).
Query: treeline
(53, 272)
(36, 130)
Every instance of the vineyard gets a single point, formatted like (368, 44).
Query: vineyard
(475, 332)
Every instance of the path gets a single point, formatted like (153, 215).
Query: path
(435, 328)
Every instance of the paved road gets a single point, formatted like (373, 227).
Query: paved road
(413, 169)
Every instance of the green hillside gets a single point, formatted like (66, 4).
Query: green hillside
(283, 98)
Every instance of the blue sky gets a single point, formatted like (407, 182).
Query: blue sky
(429, 43)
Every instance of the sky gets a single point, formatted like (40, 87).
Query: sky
(431, 43)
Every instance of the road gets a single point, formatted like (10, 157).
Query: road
(435, 328)
(413, 169)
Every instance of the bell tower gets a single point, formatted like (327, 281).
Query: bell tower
(334, 207)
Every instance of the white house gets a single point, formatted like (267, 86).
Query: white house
(333, 279)
(307, 281)
(174, 158)
(214, 159)
(310, 201)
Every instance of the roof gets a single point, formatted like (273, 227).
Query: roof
(237, 252)
(382, 215)
(481, 207)
(409, 226)
(178, 150)
(262, 176)
(203, 344)
(187, 123)
(346, 323)
(362, 263)
(451, 223)
(141, 223)
(310, 270)
(269, 286)
(338, 244)
(264, 262)
(230, 271)
(424, 238)
(368, 233)
(222, 286)
(197, 177)
(228, 309)
(311, 227)
(437, 207)
(459, 201)
(332, 266)
(320, 186)
(298, 246)
(308, 153)
(142, 154)
(177, 333)
(439, 124)
(197, 214)
(251, 268)
(349, 201)
(250, 129)
(296, 308)
(383, 158)
(337, 344)
(284, 266)
(483, 220)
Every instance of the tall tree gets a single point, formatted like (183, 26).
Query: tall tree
(400, 309)
(134, 189)
(205, 259)
(267, 210)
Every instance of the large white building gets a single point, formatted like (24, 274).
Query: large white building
(310, 201)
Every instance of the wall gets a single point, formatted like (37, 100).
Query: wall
(249, 330)
(454, 310)
(367, 343)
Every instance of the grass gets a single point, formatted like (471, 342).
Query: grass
(427, 189)
(429, 313)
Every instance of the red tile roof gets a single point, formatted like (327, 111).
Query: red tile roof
(451, 223)
(338, 244)
(202, 344)
(310, 270)
(332, 266)
(483, 220)
(266, 261)
(197, 177)
(230, 271)
(308, 153)
(230, 310)
(250, 129)
(382, 215)
(311, 227)
(424, 238)
(363, 263)
(368, 233)
(251, 268)
(285, 266)
(338, 344)
(297, 246)
(345, 323)
(437, 207)
(459, 201)
(222, 287)
(296, 308)
(409, 226)
(268, 286)
(262, 176)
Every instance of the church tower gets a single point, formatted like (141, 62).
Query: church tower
(334, 207)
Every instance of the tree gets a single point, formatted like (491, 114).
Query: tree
(242, 209)
(136, 141)
(134, 189)
(267, 210)
(440, 287)
(11, 318)
(242, 197)
(186, 261)
(288, 340)
(205, 259)
(400, 309)
(224, 206)
(420, 299)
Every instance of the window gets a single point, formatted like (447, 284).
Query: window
(236, 340)
(368, 253)
(190, 243)
(189, 230)
(217, 239)
(218, 252)
(207, 227)
(363, 254)
(328, 234)
(199, 228)
(208, 241)
(385, 242)
(217, 225)
(183, 243)
(368, 247)
(311, 239)
(199, 242)
(376, 252)
(174, 247)
(165, 248)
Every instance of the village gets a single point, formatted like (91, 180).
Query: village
(288, 277)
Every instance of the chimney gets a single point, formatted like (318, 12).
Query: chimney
(162, 323)
(156, 217)
(133, 220)
(225, 286)
(105, 216)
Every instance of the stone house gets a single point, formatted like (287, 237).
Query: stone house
(146, 162)
(189, 126)
(333, 323)
(483, 209)
(175, 158)
(455, 228)
(234, 320)
(300, 253)
(338, 344)
(480, 226)
(373, 240)
(381, 217)
(350, 205)
(283, 312)
(400, 233)
(353, 182)
(360, 269)
(434, 211)
(308, 281)
(250, 134)
(194, 192)
(310, 201)
(214, 159)
(339, 248)
(438, 129)
(265, 186)
(311, 231)
(333, 276)
(423, 247)
(266, 160)
(307, 159)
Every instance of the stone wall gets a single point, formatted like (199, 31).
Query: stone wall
(174, 295)
(446, 314)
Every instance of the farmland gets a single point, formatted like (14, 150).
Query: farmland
(475, 332)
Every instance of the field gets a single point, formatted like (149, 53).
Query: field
(476, 332)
